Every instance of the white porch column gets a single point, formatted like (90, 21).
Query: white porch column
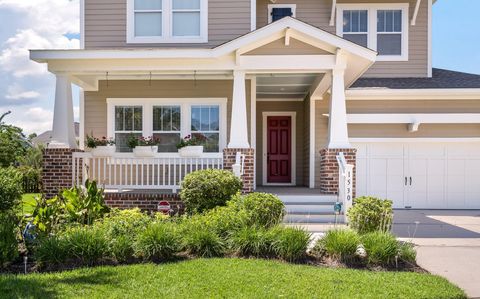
(63, 131)
(238, 126)
(337, 125)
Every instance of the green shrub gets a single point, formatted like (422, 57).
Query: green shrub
(8, 240)
(370, 214)
(84, 206)
(10, 189)
(340, 244)
(290, 243)
(199, 238)
(381, 247)
(159, 241)
(225, 220)
(407, 253)
(262, 209)
(206, 189)
(252, 241)
(121, 248)
(51, 250)
(47, 214)
(86, 244)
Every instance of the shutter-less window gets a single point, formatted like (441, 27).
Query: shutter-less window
(355, 26)
(281, 12)
(389, 32)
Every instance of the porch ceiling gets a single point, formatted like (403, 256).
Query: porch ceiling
(284, 86)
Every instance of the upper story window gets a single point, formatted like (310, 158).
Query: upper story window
(167, 21)
(381, 27)
(279, 11)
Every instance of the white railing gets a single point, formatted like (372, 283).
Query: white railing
(345, 184)
(126, 172)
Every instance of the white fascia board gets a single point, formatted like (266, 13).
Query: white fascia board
(414, 118)
(413, 94)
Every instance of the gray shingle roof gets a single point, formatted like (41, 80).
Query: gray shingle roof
(440, 79)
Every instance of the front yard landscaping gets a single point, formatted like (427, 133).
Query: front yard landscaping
(226, 278)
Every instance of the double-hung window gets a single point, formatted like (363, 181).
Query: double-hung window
(167, 21)
(128, 122)
(381, 27)
(168, 120)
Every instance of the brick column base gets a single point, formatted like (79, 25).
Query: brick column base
(329, 168)
(229, 155)
(57, 170)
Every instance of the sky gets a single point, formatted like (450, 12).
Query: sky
(27, 89)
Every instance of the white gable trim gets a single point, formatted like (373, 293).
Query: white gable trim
(451, 94)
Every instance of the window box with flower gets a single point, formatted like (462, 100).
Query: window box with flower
(145, 147)
(191, 146)
(100, 147)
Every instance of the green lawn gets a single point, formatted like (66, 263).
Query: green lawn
(226, 278)
(28, 199)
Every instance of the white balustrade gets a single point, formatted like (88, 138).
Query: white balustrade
(125, 172)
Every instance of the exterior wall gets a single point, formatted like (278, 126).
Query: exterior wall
(96, 105)
(317, 13)
(229, 159)
(106, 23)
(329, 170)
(284, 106)
(57, 171)
(295, 47)
(396, 130)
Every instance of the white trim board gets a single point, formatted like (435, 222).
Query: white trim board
(414, 118)
(413, 94)
(420, 139)
(293, 116)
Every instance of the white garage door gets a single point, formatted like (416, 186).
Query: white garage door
(421, 175)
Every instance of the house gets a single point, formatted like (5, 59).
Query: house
(46, 137)
(298, 93)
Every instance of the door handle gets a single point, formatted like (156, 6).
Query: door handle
(410, 181)
(406, 181)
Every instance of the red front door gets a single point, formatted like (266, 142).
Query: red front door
(279, 149)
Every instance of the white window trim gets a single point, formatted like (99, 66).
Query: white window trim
(293, 7)
(185, 110)
(372, 25)
(167, 26)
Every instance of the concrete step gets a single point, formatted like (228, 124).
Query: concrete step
(310, 208)
(306, 218)
(307, 198)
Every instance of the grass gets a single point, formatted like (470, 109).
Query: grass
(27, 201)
(226, 278)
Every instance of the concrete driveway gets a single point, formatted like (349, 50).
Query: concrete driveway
(448, 243)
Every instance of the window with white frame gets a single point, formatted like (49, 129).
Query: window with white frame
(167, 127)
(167, 21)
(205, 123)
(168, 120)
(381, 27)
(128, 122)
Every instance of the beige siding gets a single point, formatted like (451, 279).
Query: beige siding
(397, 130)
(106, 23)
(297, 107)
(317, 13)
(295, 47)
(96, 105)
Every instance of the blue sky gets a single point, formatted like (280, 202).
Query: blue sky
(27, 89)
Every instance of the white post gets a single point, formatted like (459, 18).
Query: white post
(337, 125)
(63, 130)
(238, 126)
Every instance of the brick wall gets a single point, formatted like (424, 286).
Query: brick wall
(329, 169)
(57, 170)
(144, 201)
(229, 155)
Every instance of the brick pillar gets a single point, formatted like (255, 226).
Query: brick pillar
(57, 170)
(329, 169)
(229, 155)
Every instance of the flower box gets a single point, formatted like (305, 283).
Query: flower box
(103, 151)
(145, 151)
(191, 151)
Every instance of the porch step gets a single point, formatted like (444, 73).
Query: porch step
(311, 208)
(305, 218)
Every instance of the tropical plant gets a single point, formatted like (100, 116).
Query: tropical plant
(93, 142)
(47, 214)
(33, 157)
(262, 209)
(10, 189)
(339, 244)
(206, 189)
(84, 205)
(370, 214)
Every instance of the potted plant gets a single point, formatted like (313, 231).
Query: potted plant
(143, 146)
(101, 147)
(191, 146)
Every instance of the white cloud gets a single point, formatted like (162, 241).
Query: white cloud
(16, 92)
(33, 120)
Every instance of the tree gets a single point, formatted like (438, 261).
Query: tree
(13, 143)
